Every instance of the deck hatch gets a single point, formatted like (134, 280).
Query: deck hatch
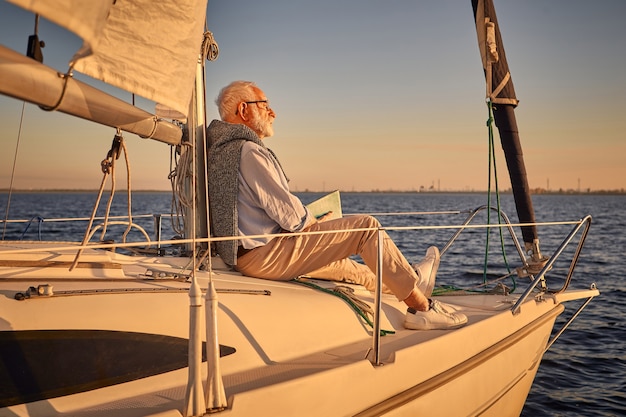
(41, 364)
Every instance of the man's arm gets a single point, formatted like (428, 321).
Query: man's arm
(268, 188)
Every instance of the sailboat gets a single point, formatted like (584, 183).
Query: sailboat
(86, 329)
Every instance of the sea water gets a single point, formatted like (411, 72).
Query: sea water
(582, 374)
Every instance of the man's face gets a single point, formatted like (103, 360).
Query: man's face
(261, 116)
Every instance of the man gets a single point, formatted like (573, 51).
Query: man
(249, 196)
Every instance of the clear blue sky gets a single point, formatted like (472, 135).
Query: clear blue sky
(373, 95)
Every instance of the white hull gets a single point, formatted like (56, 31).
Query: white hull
(299, 351)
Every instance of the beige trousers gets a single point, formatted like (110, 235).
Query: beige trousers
(327, 256)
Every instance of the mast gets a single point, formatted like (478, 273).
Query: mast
(501, 93)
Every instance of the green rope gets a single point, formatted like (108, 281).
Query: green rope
(348, 300)
(446, 289)
(492, 162)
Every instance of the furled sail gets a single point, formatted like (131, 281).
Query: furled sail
(501, 93)
(146, 47)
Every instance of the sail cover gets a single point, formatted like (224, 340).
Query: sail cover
(501, 92)
(499, 83)
(146, 47)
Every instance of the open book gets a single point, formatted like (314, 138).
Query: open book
(328, 203)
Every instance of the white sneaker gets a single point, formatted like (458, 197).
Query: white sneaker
(427, 271)
(439, 316)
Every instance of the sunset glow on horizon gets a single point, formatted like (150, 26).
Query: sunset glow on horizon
(370, 95)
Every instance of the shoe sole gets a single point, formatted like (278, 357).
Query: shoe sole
(456, 326)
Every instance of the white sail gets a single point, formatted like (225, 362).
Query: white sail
(147, 47)
(85, 19)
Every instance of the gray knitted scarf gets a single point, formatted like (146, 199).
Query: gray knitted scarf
(225, 141)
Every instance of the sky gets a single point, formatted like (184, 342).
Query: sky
(369, 95)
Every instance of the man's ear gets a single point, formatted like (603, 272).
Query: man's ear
(241, 110)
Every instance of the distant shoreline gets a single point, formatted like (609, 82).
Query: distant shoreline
(533, 192)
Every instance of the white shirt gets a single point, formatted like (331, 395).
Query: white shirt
(264, 203)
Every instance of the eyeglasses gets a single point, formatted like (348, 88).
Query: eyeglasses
(267, 104)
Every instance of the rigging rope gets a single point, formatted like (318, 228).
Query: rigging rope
(66, 79)
(492, 163)
(39, 222)
(181, 171)
(17, 147)
(108, 168)
(347, 294)
(180, 174)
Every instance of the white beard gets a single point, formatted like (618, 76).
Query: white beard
(263, 127)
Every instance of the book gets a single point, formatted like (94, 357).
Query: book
(329, 203)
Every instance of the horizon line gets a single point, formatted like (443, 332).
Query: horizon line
(425, 191)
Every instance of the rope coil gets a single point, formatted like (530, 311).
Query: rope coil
(210, 50)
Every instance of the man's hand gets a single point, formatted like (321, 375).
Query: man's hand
(324, 217)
